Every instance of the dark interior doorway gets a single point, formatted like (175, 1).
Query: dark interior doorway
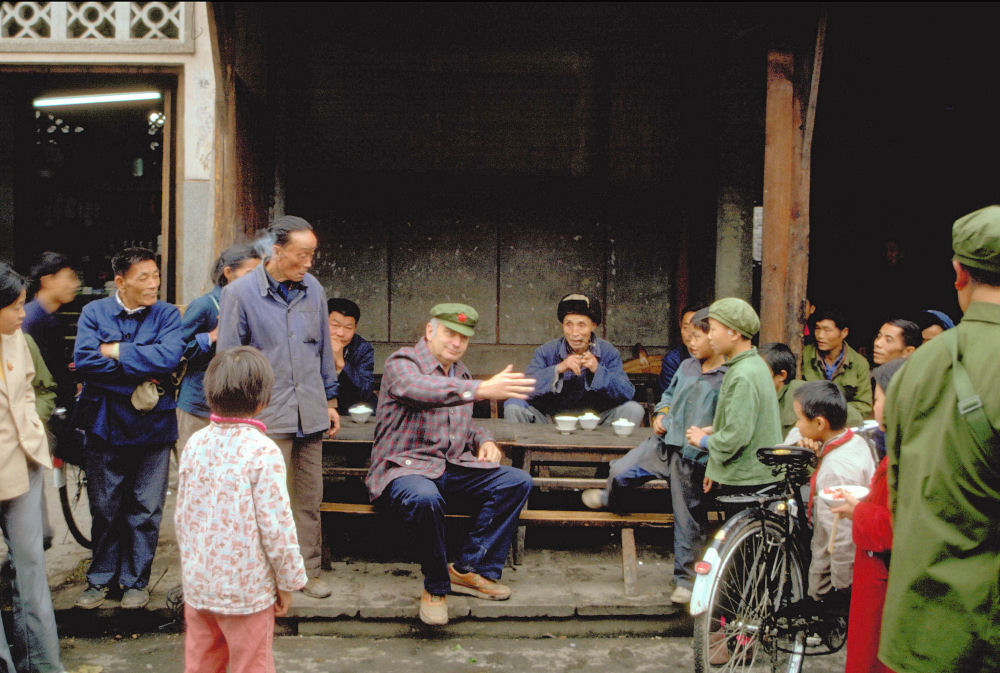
(88, 178)
(906, 140)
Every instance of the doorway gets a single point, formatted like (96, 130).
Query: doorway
(90, 171)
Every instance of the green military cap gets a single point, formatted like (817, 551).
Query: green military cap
(976, 239)
(735, 314)
(458, 317)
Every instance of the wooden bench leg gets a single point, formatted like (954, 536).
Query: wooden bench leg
(630, 565)
(519, 545)
(326, 557)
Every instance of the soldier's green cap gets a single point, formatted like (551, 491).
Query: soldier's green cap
(975, 238)
(735, 314)
(458, 317)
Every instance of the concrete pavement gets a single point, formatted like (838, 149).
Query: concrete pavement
(570, 585)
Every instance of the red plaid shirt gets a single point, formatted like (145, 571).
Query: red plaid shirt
(424, 419)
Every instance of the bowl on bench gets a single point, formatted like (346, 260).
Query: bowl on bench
(565, 424)
(623, 427)
(361, 413)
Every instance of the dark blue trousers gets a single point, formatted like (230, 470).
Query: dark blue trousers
(494, 498)
(126, 487)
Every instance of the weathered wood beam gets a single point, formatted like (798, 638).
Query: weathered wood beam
(787, 172)
(779, 169)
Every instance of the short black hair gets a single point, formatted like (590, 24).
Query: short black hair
(700, 320)
(983, 277)
(691, 308)
(238, 382)
(779, 357)
(127, 258)
(832, 313)
(929, 318)
(823, 398)
(883, 373)
(233, 257)
(283, 227)
(345, 307)
(11, 285)
(49, 263)
(912, 334)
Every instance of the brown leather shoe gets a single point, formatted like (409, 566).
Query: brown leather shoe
(476, 585)
(433, 609)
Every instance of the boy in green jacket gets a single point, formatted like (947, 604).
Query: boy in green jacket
(746, 416)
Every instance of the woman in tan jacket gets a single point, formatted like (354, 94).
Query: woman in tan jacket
(24, 452)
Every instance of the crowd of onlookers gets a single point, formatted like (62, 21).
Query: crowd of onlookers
(249, 379)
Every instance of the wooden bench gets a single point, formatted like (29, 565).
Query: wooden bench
(533, 449)
(628, 522)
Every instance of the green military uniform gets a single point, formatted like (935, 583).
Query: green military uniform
(942, 607)
(746, 418)
(853, 375)
(44, 383)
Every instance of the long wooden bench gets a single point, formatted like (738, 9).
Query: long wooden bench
(628, 522)
(353, 467)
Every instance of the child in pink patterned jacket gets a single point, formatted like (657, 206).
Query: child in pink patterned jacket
(240, 558)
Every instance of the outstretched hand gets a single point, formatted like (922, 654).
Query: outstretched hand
(505, 385)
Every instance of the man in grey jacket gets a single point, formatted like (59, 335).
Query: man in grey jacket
(280, 309)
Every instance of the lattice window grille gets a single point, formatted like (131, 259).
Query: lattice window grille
(91, 20)
(94, 21)
(31, 20)
(157, 20)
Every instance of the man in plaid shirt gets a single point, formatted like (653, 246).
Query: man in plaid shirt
(428, 452)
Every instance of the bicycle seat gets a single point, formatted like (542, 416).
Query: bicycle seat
(794, 456)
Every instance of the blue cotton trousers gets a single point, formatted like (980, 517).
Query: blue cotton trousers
(494, 498)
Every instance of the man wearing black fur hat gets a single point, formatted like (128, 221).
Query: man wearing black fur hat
(577, 372)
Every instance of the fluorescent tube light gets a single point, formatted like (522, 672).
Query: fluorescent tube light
(96, 99)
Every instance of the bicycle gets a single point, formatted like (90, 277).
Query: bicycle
(70, 480)
(749, 602)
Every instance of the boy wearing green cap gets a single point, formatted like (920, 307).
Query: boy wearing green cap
(746, 415)
(942, 412)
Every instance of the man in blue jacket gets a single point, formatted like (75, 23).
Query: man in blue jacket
(577, 372)
(352, 354)
(126, 347)
(280, 309)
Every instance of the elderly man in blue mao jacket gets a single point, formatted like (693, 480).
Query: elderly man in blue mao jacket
(577, 372)
(126, 347)
(280, 309)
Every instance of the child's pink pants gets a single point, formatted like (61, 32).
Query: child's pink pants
(213, 640)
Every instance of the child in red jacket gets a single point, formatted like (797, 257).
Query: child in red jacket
(872, 532)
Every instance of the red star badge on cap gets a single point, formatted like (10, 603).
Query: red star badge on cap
(462, 317)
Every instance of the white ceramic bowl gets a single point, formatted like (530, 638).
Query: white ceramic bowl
(589, 421)
(360, 414)
(833, 495)
(623, 427)
(565, 423)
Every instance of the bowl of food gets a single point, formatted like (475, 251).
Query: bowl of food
(835, 496)
(360, 413)
(589, 421)
(565, 424)
(623, 427)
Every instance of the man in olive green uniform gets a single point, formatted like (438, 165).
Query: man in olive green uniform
(942, 611)
(746, 415)
(831, 358)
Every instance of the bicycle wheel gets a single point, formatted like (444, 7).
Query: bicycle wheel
(755, 578)
(72, 483)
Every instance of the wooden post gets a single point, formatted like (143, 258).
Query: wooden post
(787, 171)
(779, 151)
(630, 563)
